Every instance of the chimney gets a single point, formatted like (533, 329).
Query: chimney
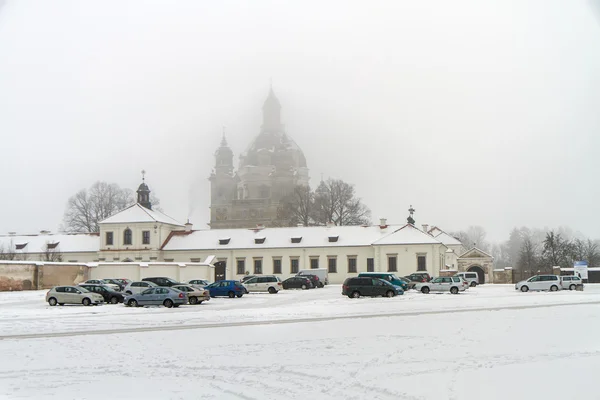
(383, 223)
(188, 226)
(44, 232)
(425, 228)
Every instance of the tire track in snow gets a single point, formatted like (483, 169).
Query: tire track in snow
(282, 321)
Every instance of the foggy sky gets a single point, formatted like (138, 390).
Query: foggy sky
(475, 112)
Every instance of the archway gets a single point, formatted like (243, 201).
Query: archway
(480, 273)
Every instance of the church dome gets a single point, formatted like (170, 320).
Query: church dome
(143, 187)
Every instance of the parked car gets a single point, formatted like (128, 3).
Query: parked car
(199, 283)
(161, 281)
(167, 296)
(570, 282)
(108, 294)
(387, 276)
(539, 282)
(322, 273)
(452, 284)
(264, 283)
(122, 282)
(419, 277)
(363, 286)
(226, 288)
(410, 284)
(194, 294)
(472, 278)
(297, 282)
(72, 295)
(138, 287)
(113, 286)
(314, 279)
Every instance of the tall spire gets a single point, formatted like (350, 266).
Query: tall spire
(223, 140)
(271, 112)
(143, 193)
(410, 218)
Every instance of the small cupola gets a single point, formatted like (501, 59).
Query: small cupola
(143, 193)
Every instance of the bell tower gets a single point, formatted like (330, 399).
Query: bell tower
(222, 185)
(143, 193)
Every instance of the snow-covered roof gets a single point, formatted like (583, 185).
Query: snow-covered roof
(408, 234)
(314, 236)
(138, 213)
(66, 242)
(443, 237)
(475, 252)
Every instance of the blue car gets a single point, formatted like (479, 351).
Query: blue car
(157, 296)
(226, 288)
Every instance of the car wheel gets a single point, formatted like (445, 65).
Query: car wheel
(132, 303)
(168, 303)
(572, 287)
(390, 293)
(425, 290)
(128, 292)
(193, 300)
(86, 302)
(473, 284)
(114, 300)
(272, 290)
(231, 295)
(454, 290)
(355, 295)
(553, 288)
(304, 287)
(239, 295)
(524, 288)
(52, 301)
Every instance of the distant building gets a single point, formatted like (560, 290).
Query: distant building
(268, 171)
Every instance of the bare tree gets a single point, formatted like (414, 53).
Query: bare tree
(51, 252)
(89, 206)
(336, 201)
(8, 253)
(297, 208)
(528, 262)
(474, 236)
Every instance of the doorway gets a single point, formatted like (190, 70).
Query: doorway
(220, 270)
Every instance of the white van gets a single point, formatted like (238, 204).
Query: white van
(322, 273)
(472, 278)
(540, 282)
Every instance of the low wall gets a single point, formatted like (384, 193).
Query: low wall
(503, 275)
(24, 275)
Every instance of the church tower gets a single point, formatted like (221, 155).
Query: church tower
(143, 193)
(222, 184)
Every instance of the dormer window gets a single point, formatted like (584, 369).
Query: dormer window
(20, 246)
(52, 245)
(127, 237)
(333, 238)
(224, 241)
(296, 239)
(260, 240)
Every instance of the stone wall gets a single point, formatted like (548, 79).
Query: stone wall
(60, 274)
(503, 275)
(14, 277)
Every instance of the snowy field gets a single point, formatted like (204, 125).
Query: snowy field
(487, 343)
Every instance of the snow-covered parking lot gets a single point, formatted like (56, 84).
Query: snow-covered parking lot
(487, 343)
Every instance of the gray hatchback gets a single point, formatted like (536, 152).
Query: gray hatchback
(157, 296)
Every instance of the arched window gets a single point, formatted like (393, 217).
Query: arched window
(127, 237)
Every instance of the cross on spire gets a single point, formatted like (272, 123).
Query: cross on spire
(143, 175)
(410, 218)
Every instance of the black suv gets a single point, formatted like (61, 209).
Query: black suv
(419, 277)
(110, 296)
(356, 287)
(162, 281)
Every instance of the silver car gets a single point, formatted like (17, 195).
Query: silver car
(72, 295)
(539, 282)
(452, 284)
(156, 296)
(138, 287)
(113, 286)
(570, 282)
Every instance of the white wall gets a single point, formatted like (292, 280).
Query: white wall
(138, 271)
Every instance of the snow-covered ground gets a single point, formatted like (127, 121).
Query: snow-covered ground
(487, 343)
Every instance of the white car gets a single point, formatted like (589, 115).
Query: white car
(570, 282)
(540, 282)
(72, 295)
(113, 286)
(138, 287)
(472, 278)
(264, 283)
(452, 284)
(198, 283)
